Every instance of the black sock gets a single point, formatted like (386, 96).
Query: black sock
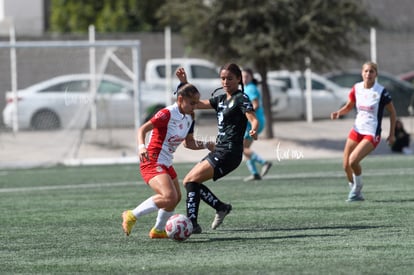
(208, 197)
(193, 200)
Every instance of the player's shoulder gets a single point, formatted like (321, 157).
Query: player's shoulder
(241, 95)
(358, 85)
(218, 98)
(163, 114)
(378, 87)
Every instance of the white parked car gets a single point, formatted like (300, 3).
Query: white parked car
(290, 102)
(64, 102)
(200, 72)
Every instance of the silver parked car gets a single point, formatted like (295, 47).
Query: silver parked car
(290, 102)
(64, 102)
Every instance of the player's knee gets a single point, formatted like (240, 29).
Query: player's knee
(170, 200)
(345, 165)
(353, 163)
(189, 178)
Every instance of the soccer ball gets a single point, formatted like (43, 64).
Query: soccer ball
(179, 227)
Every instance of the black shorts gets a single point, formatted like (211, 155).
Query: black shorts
(223, 162)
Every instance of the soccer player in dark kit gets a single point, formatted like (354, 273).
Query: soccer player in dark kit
(233, 110)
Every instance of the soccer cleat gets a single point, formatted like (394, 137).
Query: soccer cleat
(266, 168)
(197, 229)
(355, 197)
(253, 177)
(157, 234)
(220, 215)
(128, 221)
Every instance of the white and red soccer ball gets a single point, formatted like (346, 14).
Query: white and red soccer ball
(179, 227)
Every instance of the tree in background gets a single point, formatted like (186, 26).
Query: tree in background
(265, 34)
(272, 34)
(73, 16)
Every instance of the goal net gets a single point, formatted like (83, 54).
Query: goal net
(69, 102)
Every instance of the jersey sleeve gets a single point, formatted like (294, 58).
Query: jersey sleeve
(214, 102)
(385, 97)
(161, 118)
(351, 95)
(246, 105)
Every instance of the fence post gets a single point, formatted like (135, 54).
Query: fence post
(13, 73)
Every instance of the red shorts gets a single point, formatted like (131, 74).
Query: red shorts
(357, 137)
(151, 169)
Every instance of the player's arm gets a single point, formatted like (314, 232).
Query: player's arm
(251, 116)
(182, 77)
(255, 103)
(193, 144)
(393, 118)
(204, 104)
(344, 110)
(142, 132)
(349, 105)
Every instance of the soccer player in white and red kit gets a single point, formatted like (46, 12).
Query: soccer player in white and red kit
(169, 127)
(370, 100)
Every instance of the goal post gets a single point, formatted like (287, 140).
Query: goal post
(109, 45)
(72, 135)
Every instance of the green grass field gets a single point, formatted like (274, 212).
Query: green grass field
(296, 221)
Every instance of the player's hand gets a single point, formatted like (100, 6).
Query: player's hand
(211, 146)
(390, 140)
(253, 134)
(335, 115)
(143, 154)
(181, 75)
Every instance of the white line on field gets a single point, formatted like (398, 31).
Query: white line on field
(68, 186)
(308, 175)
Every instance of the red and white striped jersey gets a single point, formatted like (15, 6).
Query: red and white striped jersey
(170, 129)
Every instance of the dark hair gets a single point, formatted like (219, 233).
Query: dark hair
(234, 69)
(250, 72)
(187, 90)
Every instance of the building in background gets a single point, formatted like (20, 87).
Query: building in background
(27, 17)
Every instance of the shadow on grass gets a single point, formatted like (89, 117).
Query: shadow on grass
(300, 236)
(247, 230)
(349, 227)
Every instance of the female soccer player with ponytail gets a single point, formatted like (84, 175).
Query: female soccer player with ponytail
(233, 110)
(370, 100)
(169, 128)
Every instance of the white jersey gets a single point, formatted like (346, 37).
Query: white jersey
(170, 129)
(370, 105)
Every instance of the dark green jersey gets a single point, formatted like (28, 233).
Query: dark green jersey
(231, 120)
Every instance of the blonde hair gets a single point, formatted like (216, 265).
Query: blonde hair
(372, 64)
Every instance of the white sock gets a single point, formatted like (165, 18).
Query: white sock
(358, 182)
(351, 184)
(145, 207)
(162, 218)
